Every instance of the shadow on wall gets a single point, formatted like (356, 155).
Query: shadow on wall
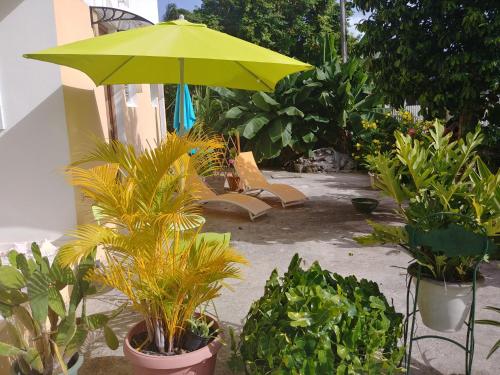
(35, 200)
(7, 6)
(84, 129)
(84, 123)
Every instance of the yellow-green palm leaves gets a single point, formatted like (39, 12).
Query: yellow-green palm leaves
(148, 230)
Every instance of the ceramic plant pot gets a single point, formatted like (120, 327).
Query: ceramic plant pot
(372, 180)
(198, 362)
(234, 183)
(444, 307)
(364, 205)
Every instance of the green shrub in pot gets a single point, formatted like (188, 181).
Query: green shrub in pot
(317, 322)
(437, 182)
(450, 202)
(45, 331)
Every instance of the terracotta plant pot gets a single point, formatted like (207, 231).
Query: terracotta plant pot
(199, 362)
(234, 183)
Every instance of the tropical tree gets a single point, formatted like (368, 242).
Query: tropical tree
(444, 54)
(149, 230)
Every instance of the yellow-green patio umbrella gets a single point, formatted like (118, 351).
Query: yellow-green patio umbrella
(174, 52)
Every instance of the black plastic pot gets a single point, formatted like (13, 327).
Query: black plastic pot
(193, 342)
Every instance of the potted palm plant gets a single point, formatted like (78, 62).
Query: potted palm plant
(45, 331)
(153, 248)
(438, 184)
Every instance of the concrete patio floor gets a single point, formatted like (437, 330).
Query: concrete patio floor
(320, 230)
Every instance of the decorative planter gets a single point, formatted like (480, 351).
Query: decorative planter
(199, 362)
(74, 365)
(234, 183)
(373, 180)
(364, 205)
(443, 306)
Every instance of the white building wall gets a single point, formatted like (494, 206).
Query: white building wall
(36, 202)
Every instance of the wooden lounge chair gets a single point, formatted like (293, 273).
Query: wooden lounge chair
(254, 206)
(253, 179)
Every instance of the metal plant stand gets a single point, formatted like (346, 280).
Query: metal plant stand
(451, 241)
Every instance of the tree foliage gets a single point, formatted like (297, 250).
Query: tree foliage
(445, 54)
(293, 28)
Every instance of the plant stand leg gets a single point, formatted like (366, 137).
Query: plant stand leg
(413, 319)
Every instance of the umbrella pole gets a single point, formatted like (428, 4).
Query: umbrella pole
(181, 101)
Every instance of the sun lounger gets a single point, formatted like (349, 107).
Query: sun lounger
(254, 206)
(253, 179)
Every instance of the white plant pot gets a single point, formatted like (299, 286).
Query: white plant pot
(444, 307)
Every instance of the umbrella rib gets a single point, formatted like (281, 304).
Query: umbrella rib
(115, 70)
(254, 75)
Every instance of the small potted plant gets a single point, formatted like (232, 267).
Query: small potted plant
(232, 177)
(200, 331)
(45, 331)
(150, 235)
(439, 183)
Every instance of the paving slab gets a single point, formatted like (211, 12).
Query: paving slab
(321, 230)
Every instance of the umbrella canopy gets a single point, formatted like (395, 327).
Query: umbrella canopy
(186, 106)
(174, 52)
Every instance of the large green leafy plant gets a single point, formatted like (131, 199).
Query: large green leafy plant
(316, 322)
(45, 331)
(436, 182)
(307, 110)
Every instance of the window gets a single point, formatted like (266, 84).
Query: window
(155, 94)
(131, 92)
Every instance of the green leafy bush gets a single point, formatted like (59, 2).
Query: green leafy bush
(370, 138)
(316, 322)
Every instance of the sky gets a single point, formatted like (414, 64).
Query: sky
(191, 4)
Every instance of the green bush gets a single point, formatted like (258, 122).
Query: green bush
(316, 322)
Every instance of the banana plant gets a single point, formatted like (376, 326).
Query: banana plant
(307, 110)
(44, 330)
(269, 122)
